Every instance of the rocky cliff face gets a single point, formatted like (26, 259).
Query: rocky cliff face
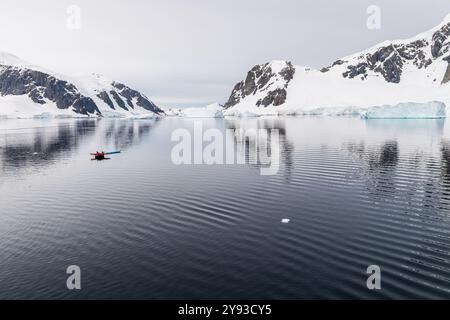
(42, 88)
(92, 96)
(390, 59)
(126, 98)
(447, 72)
(271, 78)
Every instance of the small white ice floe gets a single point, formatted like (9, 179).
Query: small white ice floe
(285, 220)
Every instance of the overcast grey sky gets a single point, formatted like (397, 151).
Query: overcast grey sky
(192, 52)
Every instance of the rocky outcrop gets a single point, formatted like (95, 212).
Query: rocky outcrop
(272, 78)
(389, 60)
(439, 45)
(42, 88)
(127, 98)
(276, 98)
(446, 78)
(106, 99)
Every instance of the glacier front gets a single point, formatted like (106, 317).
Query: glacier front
(430, 110)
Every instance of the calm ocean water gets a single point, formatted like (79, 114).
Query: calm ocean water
(357, 193)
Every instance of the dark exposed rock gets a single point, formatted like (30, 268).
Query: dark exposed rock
(125, 92)
(40, 87)
(386, 61)
(141, 100)
(118, 100)
(338, 62)
(124, 97)
(276, 98)
(288, 72)
(85, 106)
(381, 55)
(353, 71)
(36, 96)
(261, 78)
(439, 37)
(264, 77)
(389, 60)
(447, 75)
(392, 69)
(235, 97)
(250, 81)
(105, 98)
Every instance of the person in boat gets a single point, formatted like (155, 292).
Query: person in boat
(99, 156)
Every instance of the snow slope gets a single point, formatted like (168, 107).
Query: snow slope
(415, 70)
(28, 91)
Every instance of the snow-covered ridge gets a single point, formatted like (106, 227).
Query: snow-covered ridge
(415, 70)
(28, 91)
(11, 60)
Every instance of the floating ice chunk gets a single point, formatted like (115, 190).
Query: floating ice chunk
(112, 114)
(246, 114)
(144, 116)
(66, 116)
(285, 220)
(332, 111)
(44, 115)
(429, 110)
(210, 111)
(172, 112)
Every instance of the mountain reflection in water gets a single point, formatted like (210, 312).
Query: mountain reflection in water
(356, 192)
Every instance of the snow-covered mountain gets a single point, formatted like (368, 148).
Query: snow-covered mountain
(393, 72)
(31, 91)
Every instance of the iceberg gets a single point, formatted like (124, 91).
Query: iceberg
(211, 111)
(171, 112)
(429, 110)
(44, 115)
(246, 114)
(332, 112)
(144, 116)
